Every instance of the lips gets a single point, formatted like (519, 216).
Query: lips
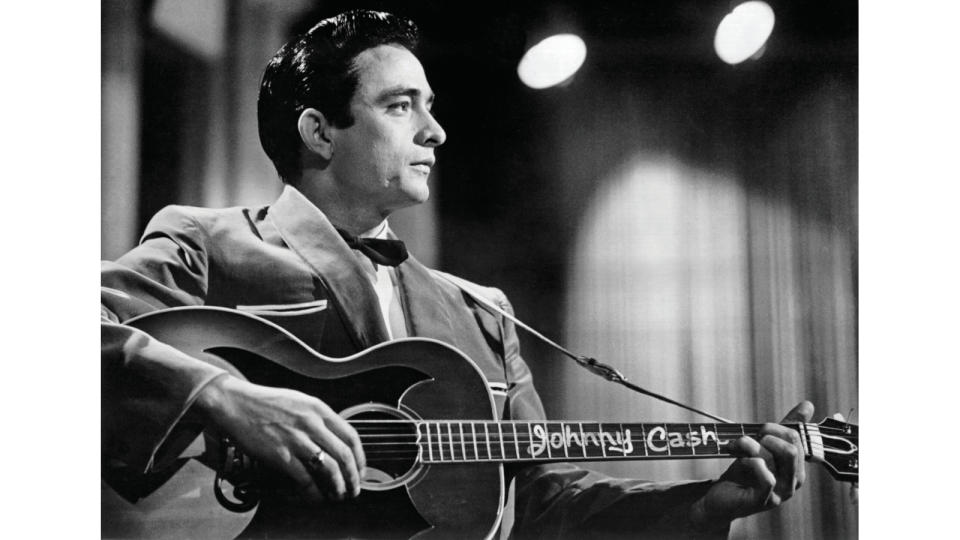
(423, 166)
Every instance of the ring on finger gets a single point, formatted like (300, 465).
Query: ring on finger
(316, 460)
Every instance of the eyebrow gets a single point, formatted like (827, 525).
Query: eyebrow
(413, 93)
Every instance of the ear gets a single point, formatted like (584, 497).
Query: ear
(315, 132)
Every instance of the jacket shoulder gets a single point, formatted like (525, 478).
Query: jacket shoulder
(201, 220)
(490, 294)
(197, 215)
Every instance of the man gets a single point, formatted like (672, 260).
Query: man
(345, 115)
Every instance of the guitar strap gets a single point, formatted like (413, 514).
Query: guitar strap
(590, 364)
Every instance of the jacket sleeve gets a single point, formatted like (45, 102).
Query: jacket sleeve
(565, 501)
(147, 386)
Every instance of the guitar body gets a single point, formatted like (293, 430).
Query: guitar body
(400, 380)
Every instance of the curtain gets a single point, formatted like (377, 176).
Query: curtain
(728, 284)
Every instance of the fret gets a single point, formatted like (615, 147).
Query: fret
(669, 450)
(539, 441)
(546, 431)
(609, 441)
(516, 440)
(643, 440)
(592, 441)
(569, 437)
(486, 433)
(583, 440)
(463, 443)
(603, 446)
(727, 433)
(429, 441)
(473, 429)
(678, 439)
(656, 440)
(530, 440)
(497, 445)
(440, 441)
(706, 442)
(722, 440)
(554, 439)
(627, 446)
(613, 441)
(503, 453)
(453, 456)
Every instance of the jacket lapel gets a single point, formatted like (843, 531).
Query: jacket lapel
(425, 303)
(306, 230)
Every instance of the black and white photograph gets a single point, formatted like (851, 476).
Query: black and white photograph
(555, 269)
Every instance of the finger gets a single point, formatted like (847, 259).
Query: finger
(347, 479)
(763, 481)
(744, 447)
(325, 472)
(803, 412)
(792, 448)
(305, 482)
(341, 428)
(786, 472)
(284, 461)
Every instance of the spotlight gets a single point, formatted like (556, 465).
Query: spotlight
(552, 61)
(743, 32)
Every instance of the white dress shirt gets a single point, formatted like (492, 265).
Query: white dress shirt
(384, 280)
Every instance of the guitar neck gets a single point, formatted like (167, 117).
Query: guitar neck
(466, 441)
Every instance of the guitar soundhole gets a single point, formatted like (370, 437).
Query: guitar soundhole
(389, 439)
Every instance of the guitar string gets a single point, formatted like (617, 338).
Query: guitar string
(390, 422)
(465, 441)
(412, 429)
(590, 437)
(411, 449)
(388, 429)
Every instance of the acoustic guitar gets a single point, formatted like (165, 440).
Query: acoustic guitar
(435, 449)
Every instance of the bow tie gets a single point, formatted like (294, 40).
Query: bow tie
(379, 250)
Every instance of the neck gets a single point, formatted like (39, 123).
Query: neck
(345, 211)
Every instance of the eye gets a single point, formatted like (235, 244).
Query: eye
(399, 106)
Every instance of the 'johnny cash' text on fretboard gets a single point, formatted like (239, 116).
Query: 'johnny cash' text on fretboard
(466, 441)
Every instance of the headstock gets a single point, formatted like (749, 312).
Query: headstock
(836, 445)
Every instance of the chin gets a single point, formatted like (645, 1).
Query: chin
(418, 192)
(404, 192)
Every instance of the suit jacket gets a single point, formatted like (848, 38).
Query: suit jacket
(285, 262)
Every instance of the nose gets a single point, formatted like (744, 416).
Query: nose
(432, 133)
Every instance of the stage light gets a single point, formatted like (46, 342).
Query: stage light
(743, 32)
(552, 61)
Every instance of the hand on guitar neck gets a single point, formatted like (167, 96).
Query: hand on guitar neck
(767, 472)
(283, 429)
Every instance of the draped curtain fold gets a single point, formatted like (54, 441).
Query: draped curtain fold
(736, 296)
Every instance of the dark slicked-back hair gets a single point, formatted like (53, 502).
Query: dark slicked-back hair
(316, 69)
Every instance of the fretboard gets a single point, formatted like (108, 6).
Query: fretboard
(473, 441)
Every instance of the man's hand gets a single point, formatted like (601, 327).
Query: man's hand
(767, 473)
(283, 429)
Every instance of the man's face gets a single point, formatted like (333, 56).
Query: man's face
(384, 158)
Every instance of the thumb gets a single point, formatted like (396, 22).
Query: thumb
(803, 412)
